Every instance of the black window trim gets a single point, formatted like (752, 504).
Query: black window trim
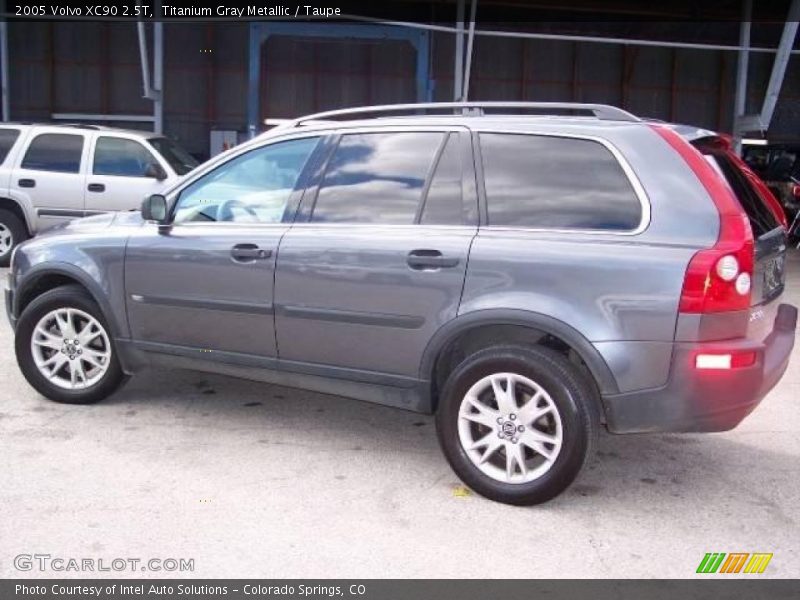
(637, 186)
(468, 174)
(119, 137)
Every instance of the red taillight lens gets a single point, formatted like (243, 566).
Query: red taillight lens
(796, 190)
(707, 287)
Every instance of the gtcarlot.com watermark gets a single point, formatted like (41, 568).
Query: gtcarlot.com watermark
(47, 562)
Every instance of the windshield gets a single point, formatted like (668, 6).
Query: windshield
(179, 159)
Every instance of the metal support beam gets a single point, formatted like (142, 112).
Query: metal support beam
(158, 70)
(458, 71)
(470, 44)
(4, 68)
(779, 66)
(740, 97)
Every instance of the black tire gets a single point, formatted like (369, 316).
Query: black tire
(69, 296)
(575, 400)
(16, 228)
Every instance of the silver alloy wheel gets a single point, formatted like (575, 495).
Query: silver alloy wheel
(510, 428)
(71, 348)
(6, 240)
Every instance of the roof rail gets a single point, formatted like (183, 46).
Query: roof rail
(601, 111)
(76, 125)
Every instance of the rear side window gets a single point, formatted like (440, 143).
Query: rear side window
(54, 152)
(376, 178)
(556, 183)
(121, 157)
(762, 220)
(7, 139)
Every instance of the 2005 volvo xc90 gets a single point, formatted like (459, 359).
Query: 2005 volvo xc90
(527, 278)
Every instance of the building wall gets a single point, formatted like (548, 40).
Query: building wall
(93, 67)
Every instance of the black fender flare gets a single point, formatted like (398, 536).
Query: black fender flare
(606, 382)
(37, 272)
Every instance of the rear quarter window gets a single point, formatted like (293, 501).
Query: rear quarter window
(548, 182)
(7, 139)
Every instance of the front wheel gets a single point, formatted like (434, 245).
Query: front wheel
(517, 424)
(64, 347)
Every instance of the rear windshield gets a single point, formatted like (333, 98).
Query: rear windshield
(762, 219)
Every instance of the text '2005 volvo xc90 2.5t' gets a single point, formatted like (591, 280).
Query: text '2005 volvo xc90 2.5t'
(527, 278)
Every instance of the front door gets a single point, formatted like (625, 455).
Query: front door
(122, 173)
(378, 264)
(205, 283)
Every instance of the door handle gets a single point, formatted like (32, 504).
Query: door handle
(27, 183)
(430, 259)
(97, 187)
(249, 252)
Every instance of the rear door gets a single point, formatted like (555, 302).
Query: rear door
(376, 262)
(50, 173)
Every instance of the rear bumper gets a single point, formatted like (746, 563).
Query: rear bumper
(710, 400)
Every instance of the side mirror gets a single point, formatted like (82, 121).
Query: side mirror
(155, 171)
(154, 208)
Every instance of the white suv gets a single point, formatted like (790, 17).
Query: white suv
(53, 173)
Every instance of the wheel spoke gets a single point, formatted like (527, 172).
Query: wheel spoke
(491, 447)
(47, 339)
(536, 441)
(504, 397)
(488, 416)
(57, 366)
(532, 412)
(515, 459)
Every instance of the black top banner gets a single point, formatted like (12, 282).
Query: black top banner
(431, 11)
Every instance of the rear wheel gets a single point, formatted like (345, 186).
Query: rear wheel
(12, 233)
(517, 424)
(64, 347)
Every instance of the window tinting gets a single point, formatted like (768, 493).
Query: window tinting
(54, 152)
(179, 159)
(7, 139)
(761, 218)
(252, 188)
(118, 156)
(558, 183)
(443, 204)
(376, 178)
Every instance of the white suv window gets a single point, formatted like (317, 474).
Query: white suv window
(121, 157)
(59, 152)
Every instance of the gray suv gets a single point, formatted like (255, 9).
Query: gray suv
(528, 278)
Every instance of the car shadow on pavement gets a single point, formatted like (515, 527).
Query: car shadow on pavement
(676, 468)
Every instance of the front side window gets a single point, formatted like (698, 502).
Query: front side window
(254, 187)
(59, 152)
(376, 178)
(121, 157)
(547, 182)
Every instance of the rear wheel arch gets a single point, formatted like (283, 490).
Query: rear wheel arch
(475, 331)
(16, 208)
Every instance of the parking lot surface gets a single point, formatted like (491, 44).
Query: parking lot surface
(252, 480)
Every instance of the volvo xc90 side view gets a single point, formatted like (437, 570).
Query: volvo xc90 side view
(529, 278)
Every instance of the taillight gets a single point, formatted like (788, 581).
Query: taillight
(796, 190)
(717, 279)
(730, 360)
